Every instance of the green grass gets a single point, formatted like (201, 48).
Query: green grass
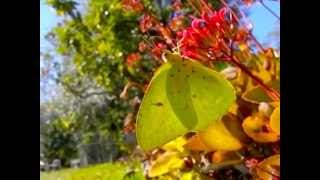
(107, 171)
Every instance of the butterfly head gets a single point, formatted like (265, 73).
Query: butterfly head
(171, 57)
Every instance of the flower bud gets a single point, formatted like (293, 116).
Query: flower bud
(230, 73)
(265, 109)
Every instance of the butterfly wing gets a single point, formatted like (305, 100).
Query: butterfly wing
(212, 94)
(182, 96)
(156, 121)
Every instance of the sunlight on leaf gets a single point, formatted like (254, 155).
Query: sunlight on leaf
(258, 129)
(195, 144)
(275, 120)
(224, 134)
(190, 176)
(221, 156)
(165, 163)
(175, 145)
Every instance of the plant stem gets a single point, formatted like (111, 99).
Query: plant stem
(273, 94)
(221, 165)
(124, 93)
(273, 13)
(257, 42)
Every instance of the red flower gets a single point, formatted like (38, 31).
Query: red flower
(207, 38)
(251, 163)
(132, 5)
(158, 50)
(132, 58)
(146, 22)
(248, 2)
(142, 46)
(176, 5)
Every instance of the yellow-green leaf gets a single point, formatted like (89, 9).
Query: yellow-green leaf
(257, 128)
(175, 145)
(223, 135)
(165, 163)
(221, 156)
(257, 94)
(196, 144)
(275, 120)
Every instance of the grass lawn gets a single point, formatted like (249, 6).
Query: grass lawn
(112, 171)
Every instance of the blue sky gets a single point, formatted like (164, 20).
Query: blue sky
(48, 20)
(263, 20)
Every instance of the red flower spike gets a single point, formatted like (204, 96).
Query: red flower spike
(132, 5)
(207, 37)
(132, 58)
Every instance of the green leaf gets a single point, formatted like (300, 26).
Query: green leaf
(219, 66)
(257, 94)
(182, 96)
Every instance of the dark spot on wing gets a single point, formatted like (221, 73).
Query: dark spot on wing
(157, 104)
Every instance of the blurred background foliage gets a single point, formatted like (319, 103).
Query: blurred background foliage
(92, 74)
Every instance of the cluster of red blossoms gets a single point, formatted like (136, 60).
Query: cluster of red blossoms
(208, 38)
(132, 58)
